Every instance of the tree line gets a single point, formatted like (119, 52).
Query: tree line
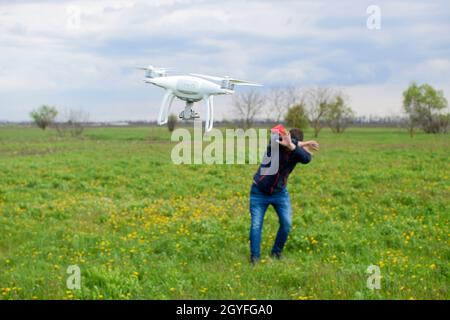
(424, 107)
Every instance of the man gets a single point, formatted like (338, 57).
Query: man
(270, 189)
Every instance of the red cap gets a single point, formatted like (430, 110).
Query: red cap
(278, 129)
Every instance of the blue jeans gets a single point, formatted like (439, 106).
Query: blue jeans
(259, 201)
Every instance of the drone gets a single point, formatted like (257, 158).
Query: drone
(191, 88)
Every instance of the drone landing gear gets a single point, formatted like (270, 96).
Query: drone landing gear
(188, 113)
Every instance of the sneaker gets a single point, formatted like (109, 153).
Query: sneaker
(254, 260)
(276, 255)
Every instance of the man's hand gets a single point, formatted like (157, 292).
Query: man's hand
(311, 145)
(286, 141)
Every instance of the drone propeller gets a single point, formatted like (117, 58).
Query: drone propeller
(154, 72)
(231, 80)
(241, 83)
(153, 68)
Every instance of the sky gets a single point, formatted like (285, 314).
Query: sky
(83, 55)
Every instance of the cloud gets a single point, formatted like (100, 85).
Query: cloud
(83, 53)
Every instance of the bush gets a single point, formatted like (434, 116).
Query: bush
(171, 122)
(296, 117)
(44, 116)
(339, 115)
(72, 122)
(424, 106)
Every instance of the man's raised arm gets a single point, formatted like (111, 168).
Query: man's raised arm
(301, 154)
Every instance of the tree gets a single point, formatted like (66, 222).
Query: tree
(44, 116)
(444, 122)
(297, 117)
(339, 115)
(171, 122)
(247, 105)
(280, 100)
(77, 121)
(318, 100)
(71, 122)
(423, 105)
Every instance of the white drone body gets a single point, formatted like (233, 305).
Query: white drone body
(190, 88)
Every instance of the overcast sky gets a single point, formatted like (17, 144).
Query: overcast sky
(82, 54)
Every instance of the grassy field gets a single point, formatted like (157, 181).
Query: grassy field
(140, 227)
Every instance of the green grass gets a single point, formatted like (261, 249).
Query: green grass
(140, 227)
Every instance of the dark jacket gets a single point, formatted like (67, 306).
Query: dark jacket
(271, 184)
